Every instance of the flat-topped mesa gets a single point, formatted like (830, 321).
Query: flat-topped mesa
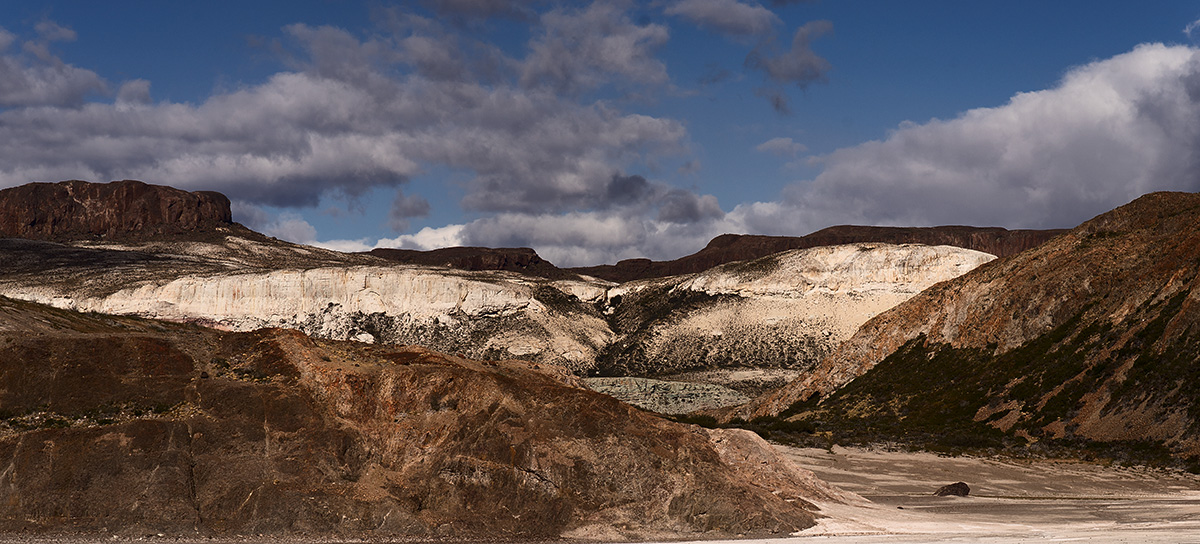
(513, 259)
(126, 209)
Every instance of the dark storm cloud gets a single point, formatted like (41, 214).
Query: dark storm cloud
(680, 206)
(406, 207)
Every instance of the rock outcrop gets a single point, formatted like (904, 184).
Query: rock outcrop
(111, 211)
(785, 311)
(728, 248)
(1093, 337)
(123, 426)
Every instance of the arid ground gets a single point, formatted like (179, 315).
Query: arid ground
(1010, 501)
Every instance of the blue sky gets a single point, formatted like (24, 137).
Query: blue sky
(612, 129)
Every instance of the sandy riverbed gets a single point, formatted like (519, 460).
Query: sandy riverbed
(1010, 501)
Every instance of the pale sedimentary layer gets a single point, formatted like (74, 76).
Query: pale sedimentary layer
(780, 312)
(785, 311)
(488, 316)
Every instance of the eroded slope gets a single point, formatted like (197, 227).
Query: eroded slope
(129, 427)
(1092, 338)
(783, 312)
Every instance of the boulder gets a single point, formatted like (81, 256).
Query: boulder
(957, 489)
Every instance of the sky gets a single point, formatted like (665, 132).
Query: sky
(606, 130)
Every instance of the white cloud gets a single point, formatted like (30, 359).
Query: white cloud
(292, 228)
(1193, 30)
(726, 16)
(353, 116)
(782, 147)
(345, 246)
(1111, 131)
(36, 77)
(427, 238)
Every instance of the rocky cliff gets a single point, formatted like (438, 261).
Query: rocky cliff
(1092, 336)
(123, 426)
(728, 248)
(783, 312)
(118, 210)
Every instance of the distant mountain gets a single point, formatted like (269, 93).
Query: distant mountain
(125, 427)
(1091, 339)
(521, 259)
(728, 248)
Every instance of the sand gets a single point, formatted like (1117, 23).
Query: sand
(1010, 501)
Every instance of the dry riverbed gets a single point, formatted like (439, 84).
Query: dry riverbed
(1010, 500)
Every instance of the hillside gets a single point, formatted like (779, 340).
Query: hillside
(123, 426)
(1091, 339)
(744, 325)
(777, 315)
(728, 248)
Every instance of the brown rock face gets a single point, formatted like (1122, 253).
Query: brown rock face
(118, 210)
(728, 248)
(957, 489)
(131, 426)
(520, 259)
(1092, 336)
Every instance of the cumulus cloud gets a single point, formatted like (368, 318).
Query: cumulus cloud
(427, 238)
(1192, 30)
(351, 115)
(1109, 132)
(581, 50)
(34, 76)
(729, 17)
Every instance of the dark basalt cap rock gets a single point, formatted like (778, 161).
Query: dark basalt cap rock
(957, 489)
(126, 209)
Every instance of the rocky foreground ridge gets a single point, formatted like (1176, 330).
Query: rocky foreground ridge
(774, 313)
(127, 426)
(1091, 338)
